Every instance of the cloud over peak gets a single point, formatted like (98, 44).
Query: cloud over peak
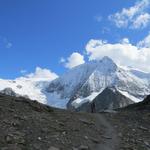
(123, 53)
(42, 74)
(73, 60)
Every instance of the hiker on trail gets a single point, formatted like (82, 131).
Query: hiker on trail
(93, 107)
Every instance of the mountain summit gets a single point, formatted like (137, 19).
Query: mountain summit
(82, 84)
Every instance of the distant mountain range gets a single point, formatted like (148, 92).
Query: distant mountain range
(83, 84)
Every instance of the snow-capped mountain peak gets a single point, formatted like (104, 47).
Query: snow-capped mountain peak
(105, 65)
(93, 77)
(108, 62)
(82, 83)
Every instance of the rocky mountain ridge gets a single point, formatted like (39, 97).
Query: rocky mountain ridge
(109, 99)
(82, 84)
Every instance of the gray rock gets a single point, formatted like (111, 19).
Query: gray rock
(83, 147)
(9, 91)
(86, 137)
(120, 135)
(95, 140)
(75, 148)
(143, 128)
(147, 144)
(53, 148)
(11, 147)
(16, 137)
(108, 100)
(19, 86)
(9, 138)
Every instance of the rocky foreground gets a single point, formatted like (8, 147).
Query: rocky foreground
(133, 125)
(29, 125)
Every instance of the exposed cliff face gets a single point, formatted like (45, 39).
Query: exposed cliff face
(109, 99)
(144, 105)
(9, 91)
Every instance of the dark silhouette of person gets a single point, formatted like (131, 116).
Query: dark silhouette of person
(93, 107)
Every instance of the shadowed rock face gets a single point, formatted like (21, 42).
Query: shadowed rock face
(144, 105)
(9, 91)
(147, 100)
(109, 99)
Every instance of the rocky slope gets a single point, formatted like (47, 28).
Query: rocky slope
(144, 105)
(9, 91)
(109, 99)
(29, 125)
(132, 124)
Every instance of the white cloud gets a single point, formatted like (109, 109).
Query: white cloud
(134, 17)
(5, 42)
(105, 30)
(123, 53)
(62, 60)
(42, 74)
(98, 18)
(8, 45)
(23, 71)
(141, 21)
(145, 42)
(125, 41)
(74, 60)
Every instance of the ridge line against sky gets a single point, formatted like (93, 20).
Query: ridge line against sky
(121, 32)
(123, 52)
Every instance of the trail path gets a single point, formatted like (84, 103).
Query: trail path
(110, 138)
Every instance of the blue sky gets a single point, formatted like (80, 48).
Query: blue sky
(40, 32)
